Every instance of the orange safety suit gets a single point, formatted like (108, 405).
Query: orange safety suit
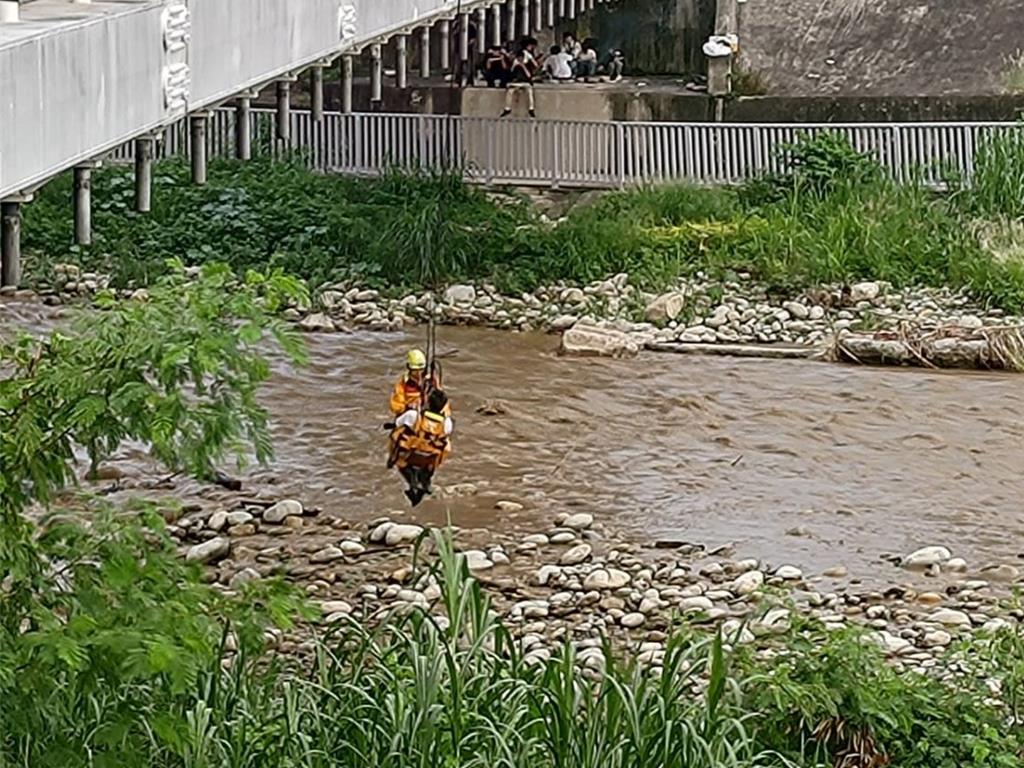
(407, 394)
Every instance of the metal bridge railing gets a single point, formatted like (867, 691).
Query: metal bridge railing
(581, 153)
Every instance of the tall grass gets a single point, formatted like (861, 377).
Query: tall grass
(833, 216)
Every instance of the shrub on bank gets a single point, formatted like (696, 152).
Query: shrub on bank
(833, 217)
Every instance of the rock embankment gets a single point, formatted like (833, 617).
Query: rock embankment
(578, 582)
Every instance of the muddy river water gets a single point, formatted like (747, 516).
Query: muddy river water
(807, 463)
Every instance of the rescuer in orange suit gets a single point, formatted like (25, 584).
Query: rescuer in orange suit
(420, 442)
(409, 389)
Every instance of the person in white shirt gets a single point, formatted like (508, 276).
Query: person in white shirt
(558, 65)
(586, 63)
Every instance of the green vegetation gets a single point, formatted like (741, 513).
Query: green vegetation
(114, 652)
(832, 217)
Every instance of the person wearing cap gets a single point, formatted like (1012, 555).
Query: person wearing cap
(409, 390)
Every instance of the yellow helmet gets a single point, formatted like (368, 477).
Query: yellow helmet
(415, 360)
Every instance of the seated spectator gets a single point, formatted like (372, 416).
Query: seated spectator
(495, 68)
(571, 46)
(558, 65)
(520, 79)
(616, 61)
(586, 62)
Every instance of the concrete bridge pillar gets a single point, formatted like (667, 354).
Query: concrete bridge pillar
(346, 84)
(464, 53)
(316, 92)
(243, 127)
(284, 109)
(10, 240)
(197, 135)
(551, 13)
(376, 77)
(510, 18)
(444, 30)
(481, 31)
(562, 9)
(496, 24)
(402, 62)
(83, 202)
(425, 52)
(538, 15)
(145, 149)
(524, 18)
(10, 13)
(570, 9)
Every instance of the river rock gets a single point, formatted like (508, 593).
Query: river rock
(477, 560)
(318, 322)
(695, 604)
(401, 534)
(562, 537)
(949, 617)
(597, 579)
(508, 506)
(460, 294)
(576, 555)
(936, 639)
(281, 510)
(563, 322)
(538, 539)
(579, 522)
(351, 548)
(796, 309)
(593, 341)
(326, 555)
(208, 551)
(666, 307)
(893, 644)
(632, 620)
(545, 572)
(1003, 573)
(239, 517)
(244, 576)
(329, 607)
(789, 573)
(924, 558)
(748, 583)
(866, 291)
(956, 565)
(217, 521)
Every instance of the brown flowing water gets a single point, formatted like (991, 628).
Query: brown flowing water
(808, 463)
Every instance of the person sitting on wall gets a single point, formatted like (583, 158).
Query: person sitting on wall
(586, 63)
(495, 67)
(558, 65)
(520, 80)
(613, 67)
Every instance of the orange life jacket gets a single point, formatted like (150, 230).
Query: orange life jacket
(425, 446)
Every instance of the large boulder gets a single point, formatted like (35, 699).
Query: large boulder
(593, 341)
(460, 294)
(666, 307)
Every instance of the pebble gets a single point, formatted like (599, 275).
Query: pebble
(217, 521)
(244, 576)
(632, 620)
(562, 537)
(748, 582)
(789, 573)
(326, 555)
(937, 638)
(579, 522)
(950, 618)
(351, 548)
(281, 510)
(508, 506)
(924, 558)
(578, 554)
(240, 517)
(837, 572)
(208, 551)
(398, 533)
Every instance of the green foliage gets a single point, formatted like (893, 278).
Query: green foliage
(996, 188)
(831, 699)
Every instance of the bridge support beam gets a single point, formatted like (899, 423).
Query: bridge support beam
(510, 20)
(83, 202)
(10, 240)
(376, 77)
(402, 62)
(444, 30)
(316, 92)
(524, 19)
(496, 24)
(284, 110)
(425, 52)
(346, 84)
(465, 70)
(243, 127)
(562, 13)
(570, 9)
(10, 13)
(197, 135)
(549, 16)
(144, 150)
(481, 31)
